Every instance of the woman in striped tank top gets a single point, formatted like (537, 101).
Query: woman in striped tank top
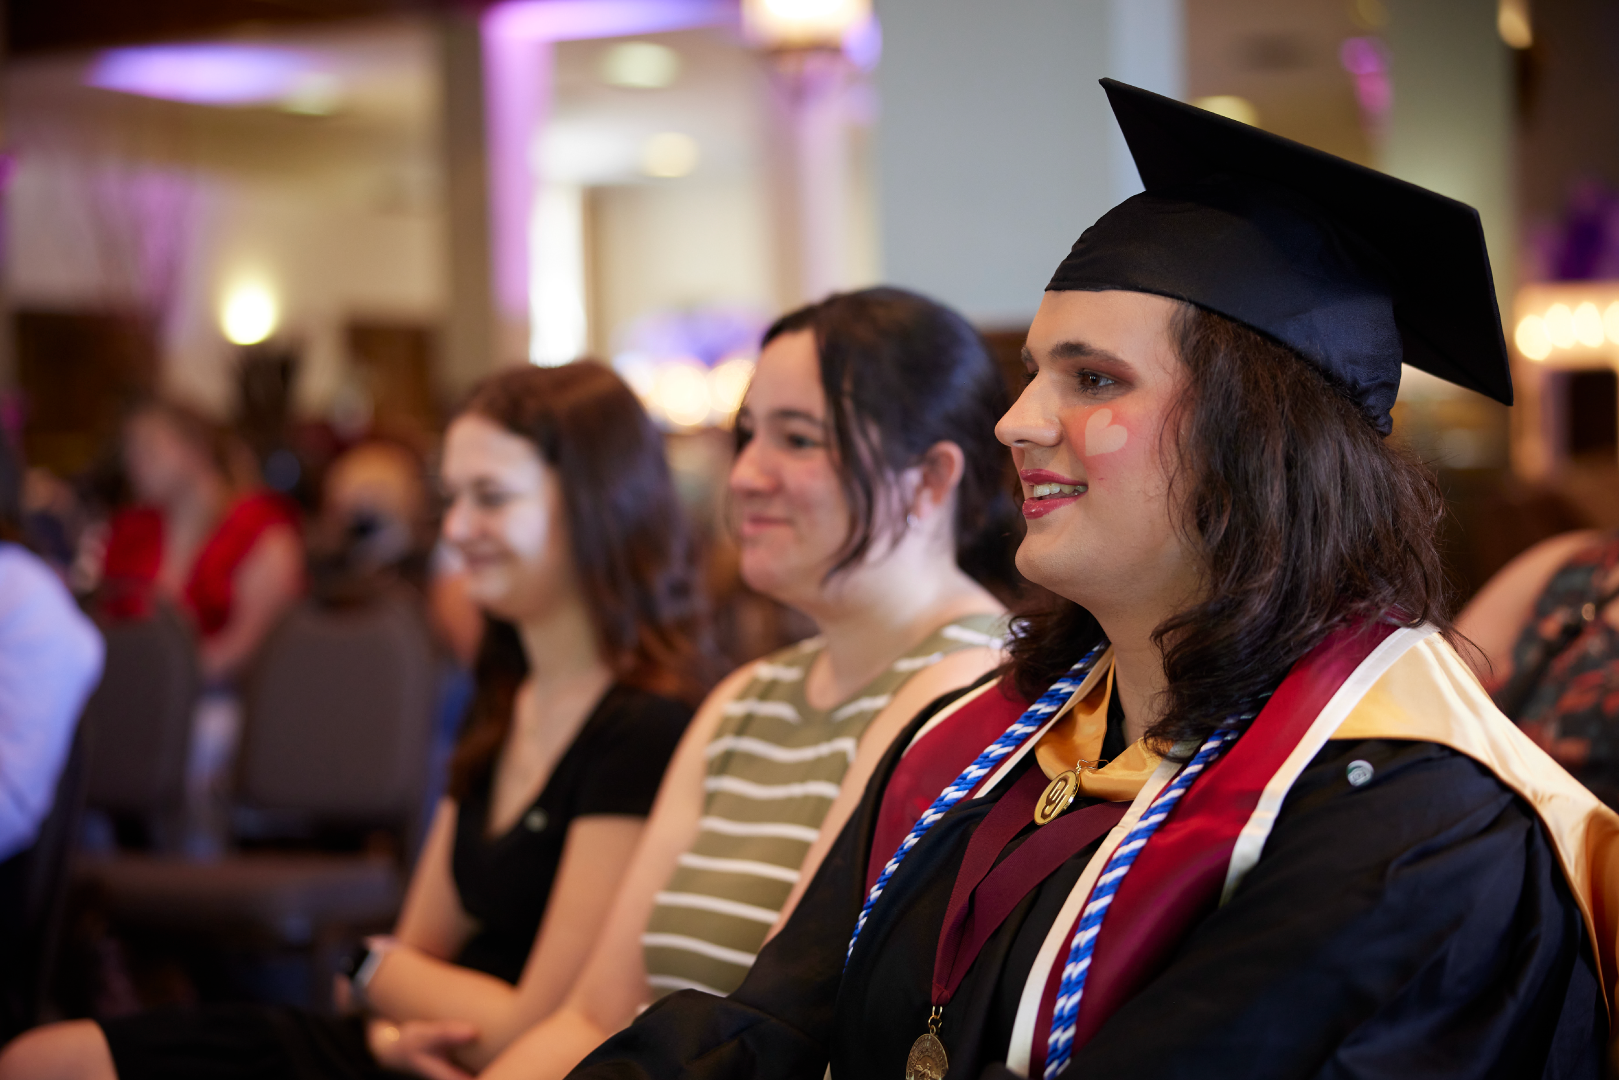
(866, 478)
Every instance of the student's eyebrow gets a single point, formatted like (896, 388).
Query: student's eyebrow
(1081, 350)
(795, 414)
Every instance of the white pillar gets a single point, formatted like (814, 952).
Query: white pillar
(996, 147)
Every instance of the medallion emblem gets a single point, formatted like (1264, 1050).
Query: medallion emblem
(927, 1060)
(1058, 795)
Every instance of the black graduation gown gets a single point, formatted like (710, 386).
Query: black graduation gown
(1417, 926)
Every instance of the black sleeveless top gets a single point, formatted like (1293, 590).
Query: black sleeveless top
(613, 766)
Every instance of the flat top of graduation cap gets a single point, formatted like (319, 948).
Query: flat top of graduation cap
(1353, 269)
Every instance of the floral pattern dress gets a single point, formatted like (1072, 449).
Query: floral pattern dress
(1573, 708)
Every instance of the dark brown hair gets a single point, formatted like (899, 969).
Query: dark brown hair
(631, 548)
(902, 373)
(1304, 520)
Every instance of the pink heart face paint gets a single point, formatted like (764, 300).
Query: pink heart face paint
(1102, 436)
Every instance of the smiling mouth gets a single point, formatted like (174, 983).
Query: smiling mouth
(1055, 491)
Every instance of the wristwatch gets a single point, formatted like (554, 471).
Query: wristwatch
(362, 964)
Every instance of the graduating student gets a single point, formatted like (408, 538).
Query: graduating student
(1261, 820)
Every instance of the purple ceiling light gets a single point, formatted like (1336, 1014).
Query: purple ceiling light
(214, 74)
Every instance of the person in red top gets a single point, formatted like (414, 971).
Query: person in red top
(231, 559)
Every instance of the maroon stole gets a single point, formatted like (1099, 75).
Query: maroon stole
(1178, 877)
(931, 762)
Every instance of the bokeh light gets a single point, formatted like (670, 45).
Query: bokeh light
(1230, 106)
(728, 383)
(680, 393)
(1560, 326)
(669, 155)
(1588, 325)
(1531, 338)
(640, 65)
(249, 314)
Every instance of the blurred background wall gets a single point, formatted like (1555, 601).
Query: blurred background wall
(390, 198)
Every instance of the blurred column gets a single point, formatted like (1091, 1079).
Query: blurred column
(469, 338)
(813, 172)
(517, 79)
(995, 146)
(1450, 129)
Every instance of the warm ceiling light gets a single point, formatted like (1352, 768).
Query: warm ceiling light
(1230, 106)
(669, 155)
(1610, 322)
(680, 392)
(1531, 338)
(1512, 23)
(248, 315)
(728, 383)
(801, 24)
(314, 93)
(1588, 325)
(1560, 326)
(640, 65)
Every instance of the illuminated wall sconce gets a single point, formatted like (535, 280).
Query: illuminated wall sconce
(803, 24)
(249, 313)
(1568, 325)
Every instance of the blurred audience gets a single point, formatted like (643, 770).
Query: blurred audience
(226, 553)
(867, 468)
(1547, 630)
(561, 507)
(50, 660)
(373, 529)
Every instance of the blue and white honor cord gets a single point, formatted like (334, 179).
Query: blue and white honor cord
(1060, 1042)
(1014, 736)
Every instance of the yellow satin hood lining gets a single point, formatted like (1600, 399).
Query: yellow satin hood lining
(1078, 735)
(1431, 695)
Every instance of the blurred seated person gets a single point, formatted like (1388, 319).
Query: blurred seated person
(1548, 630)
(590, 662)
(867, 473)
(231, 559)
(50, 661)
(372, 530)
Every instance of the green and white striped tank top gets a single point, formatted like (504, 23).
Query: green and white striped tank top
(774, 766)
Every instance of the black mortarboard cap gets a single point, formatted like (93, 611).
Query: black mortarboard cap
(1353, 269)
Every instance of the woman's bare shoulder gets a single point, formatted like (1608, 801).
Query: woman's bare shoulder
(1495, 618)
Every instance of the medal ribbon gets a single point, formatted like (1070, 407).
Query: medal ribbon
(986, 891)
(1013, 737)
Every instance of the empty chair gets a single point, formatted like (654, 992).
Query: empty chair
(139, 719)
(338, 717)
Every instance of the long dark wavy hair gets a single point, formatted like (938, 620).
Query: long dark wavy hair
(1304, 520)
(901, 373)
(632, 551)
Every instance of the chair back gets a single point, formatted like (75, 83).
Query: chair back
(139, 717)
(35, 886)
(338, 713)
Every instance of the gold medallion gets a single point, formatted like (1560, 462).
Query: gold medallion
(927, 1060)
(1058, 795)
